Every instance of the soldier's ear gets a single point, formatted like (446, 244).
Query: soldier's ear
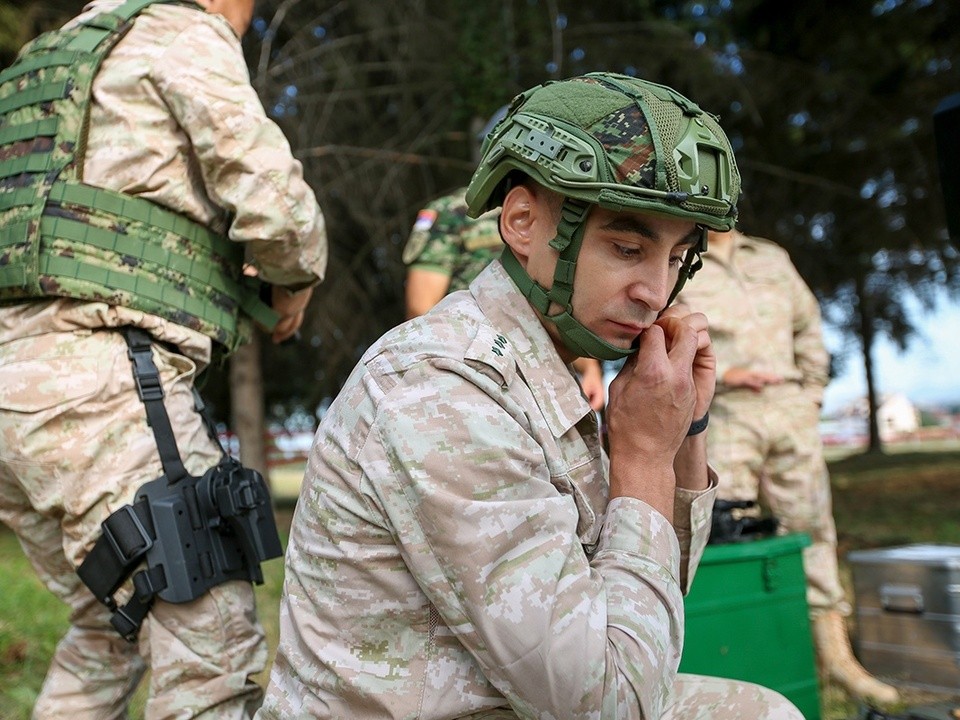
(518, 219)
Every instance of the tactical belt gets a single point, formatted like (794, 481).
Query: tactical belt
(193, 532)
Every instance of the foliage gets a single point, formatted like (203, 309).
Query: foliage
(9, 32)
(22, 20)
(832, 128)
(839, 162)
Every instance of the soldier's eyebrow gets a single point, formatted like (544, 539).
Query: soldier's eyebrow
(635, 225)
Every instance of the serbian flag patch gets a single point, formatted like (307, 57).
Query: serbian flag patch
(425, 219)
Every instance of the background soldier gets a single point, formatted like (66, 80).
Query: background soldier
(146, 225)
(764, 439)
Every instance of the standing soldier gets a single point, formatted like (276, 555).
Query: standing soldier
(764, 439)
(446, 250)
(137, 169)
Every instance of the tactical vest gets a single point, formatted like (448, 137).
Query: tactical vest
(61, 237)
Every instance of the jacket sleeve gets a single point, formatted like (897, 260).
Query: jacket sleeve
(243, 157)
(494, 545)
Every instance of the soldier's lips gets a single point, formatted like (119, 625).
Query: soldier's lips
(628, 328)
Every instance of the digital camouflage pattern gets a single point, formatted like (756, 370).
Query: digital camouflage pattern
(94, 243)
(590, 136)
(174, 121)
(762, 316)
(74, 447)
(61, 238)
(454, 554)
(767, 445)
(625, 136)
(446, 240)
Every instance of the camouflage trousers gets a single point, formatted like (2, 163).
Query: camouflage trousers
(697, 697)
(74, 447)
(766, 447)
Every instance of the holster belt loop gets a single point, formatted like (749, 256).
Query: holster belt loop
(147, 377)
(127, 535)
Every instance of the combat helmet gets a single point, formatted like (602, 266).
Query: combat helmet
(614, 141)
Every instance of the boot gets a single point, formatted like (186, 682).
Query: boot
(836, 659)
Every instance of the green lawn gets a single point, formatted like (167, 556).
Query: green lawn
(31, 621)
(899, 498)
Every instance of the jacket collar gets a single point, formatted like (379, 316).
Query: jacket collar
(549, 378)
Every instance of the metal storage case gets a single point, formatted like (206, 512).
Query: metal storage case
(908, 614)
(747, 618)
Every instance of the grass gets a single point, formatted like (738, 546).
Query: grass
(31, 622)
(903, 497)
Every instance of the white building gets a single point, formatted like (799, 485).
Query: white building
(896, 416)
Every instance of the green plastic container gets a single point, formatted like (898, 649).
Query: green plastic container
(747, 619)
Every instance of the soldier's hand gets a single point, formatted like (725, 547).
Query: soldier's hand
(590, 376)
(290, 307)
(650, 410)
(756, 380)
(704, 362)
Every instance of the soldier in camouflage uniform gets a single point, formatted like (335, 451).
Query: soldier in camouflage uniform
(462, 545)
(447, 249)
(764, 440)
(173, 125)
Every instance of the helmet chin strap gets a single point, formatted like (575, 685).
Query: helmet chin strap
(574, 335)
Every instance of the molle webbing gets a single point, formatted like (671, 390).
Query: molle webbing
(61, 237)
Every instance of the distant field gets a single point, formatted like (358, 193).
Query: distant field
(285, 481)
(910, 495)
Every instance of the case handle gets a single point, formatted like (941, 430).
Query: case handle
(901, 598)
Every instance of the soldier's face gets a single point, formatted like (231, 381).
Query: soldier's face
(627, 267)
(628, 264)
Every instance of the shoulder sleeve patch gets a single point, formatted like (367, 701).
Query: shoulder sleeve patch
(425, 219)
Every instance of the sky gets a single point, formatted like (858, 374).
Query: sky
(928, 372)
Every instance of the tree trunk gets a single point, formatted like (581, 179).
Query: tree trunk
(246, 402)
(867, 337)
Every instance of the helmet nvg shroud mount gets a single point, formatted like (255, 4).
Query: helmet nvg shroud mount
(614, 141)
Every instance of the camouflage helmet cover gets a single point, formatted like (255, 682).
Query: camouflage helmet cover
(617, 141)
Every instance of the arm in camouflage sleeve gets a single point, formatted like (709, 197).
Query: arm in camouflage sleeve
(435, 241)
(810, 353)
(245, 160)
(468, 492)
(430, 256)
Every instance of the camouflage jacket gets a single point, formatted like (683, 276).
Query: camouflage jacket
(445, 240)
(762, 316)
(454, 553)
(175, 120)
